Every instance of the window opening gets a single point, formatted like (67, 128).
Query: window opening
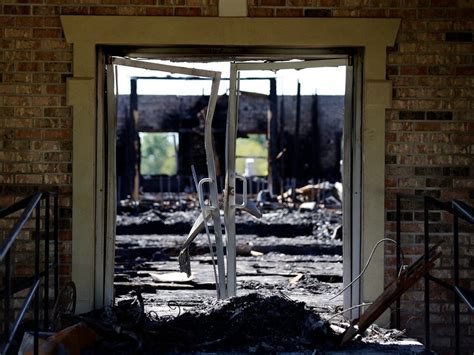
(159, 153)
(252, 155)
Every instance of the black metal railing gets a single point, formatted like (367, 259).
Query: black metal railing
(458, 209)
(33, 284)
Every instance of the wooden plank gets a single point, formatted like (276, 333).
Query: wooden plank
(392, 292)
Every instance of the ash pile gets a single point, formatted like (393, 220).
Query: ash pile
(251, 323)
(255, 323)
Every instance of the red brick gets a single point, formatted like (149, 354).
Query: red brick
(131, 11)
(57, 67)
(413, 70)
(17, 10)
(17, 55)
(300, 3)
(159, 11)
(45, 10)
(59, 89)
(329, 3)
(16, 100)
(373, 12)
(27, 134)
(289, 12)
(18, 33)
(142, 2)
(261, 12)
(56, 56)
(19, 78)
(7, 89)
(191, 3)
(103, 10)
(28, 179)
(29, 66)
(187, 11)
(57, 112)
(24, 113)
(52, 21)
(427, 126)
(29, 21)
(317, 13)
(46, 78)
(27, 44)
(28, 89)
(432, 13)
(47, 32)
(46, 101)
(114, 2)
(345, 13)
(469, 70)
(57, 179)
(57, 134)
(272, 2)
(443, 3)
(74, 10)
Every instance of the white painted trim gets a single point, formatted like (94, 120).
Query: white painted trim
(86, 33)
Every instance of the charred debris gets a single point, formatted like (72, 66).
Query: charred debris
(289, 262)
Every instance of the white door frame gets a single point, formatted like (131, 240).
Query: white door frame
(87, 34)
(105, 247)
(352, 173)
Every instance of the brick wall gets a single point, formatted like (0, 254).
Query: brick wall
(429, 135)
(35, 123)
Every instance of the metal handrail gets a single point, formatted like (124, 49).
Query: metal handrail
(458, 209)
(464, 211)
(28, 205)
(25, 216)
(4, 212)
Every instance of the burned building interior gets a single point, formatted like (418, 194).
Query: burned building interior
(305, 140)
(296, 246)
(236, 176)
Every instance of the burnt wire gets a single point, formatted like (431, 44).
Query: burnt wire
(348, 309)
(402, 267)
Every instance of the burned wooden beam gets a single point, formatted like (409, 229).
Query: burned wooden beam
(273, 141)
(392, 292)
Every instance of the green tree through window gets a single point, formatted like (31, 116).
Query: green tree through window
(252, 148)
(159, 153)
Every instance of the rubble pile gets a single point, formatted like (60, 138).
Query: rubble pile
(255, 323)
(252, 323)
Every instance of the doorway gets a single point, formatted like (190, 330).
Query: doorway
(190, 35)
(278, 182)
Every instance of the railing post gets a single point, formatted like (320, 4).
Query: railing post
(46, 262)
(56, 245)
(37, 276)
(7, 295)
(456, 280)
(427, 280)
(398, 221)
